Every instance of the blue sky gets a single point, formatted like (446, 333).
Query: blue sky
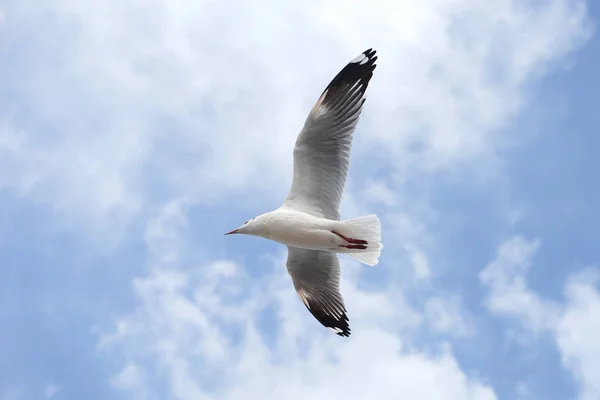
(134, 134)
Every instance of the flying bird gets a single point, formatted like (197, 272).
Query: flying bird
(309, 222)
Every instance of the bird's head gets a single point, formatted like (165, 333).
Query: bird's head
(254, 226)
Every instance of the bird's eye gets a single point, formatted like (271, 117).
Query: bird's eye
(246, 222)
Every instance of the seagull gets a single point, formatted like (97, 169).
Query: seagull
(309, 222)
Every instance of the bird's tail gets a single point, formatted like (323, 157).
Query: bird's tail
(363, 235)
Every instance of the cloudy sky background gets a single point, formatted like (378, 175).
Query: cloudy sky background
(134, 134)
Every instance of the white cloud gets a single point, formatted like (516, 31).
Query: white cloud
(138, 102)
(447, 315)
(379, 192)
(132, 380)
(578, 331)
(189, 97)
(199, 101)
(509, 294)
(419, 262)
(213, 331)
(160, 233)
(574, 324)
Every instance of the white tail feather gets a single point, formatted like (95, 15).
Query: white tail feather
(366, 228)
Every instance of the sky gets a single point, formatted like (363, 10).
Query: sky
(134, 134)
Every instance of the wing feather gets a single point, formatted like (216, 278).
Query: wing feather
(316, 278)
(322, 150)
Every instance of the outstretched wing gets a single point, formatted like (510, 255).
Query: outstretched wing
(316, 277)
(322, 150)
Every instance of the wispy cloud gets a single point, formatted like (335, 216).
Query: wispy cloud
(509, 294)
(144, 127)
(212, 331)
(447, 315)
(196, 100)
(574, 324)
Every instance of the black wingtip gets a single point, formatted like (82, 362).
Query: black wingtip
(370, 55)
(360, 69)
(340, 326)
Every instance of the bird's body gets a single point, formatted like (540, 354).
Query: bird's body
(308, 222)
(302, 230)
(305, 231)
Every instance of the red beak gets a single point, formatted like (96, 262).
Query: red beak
(232, 232)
